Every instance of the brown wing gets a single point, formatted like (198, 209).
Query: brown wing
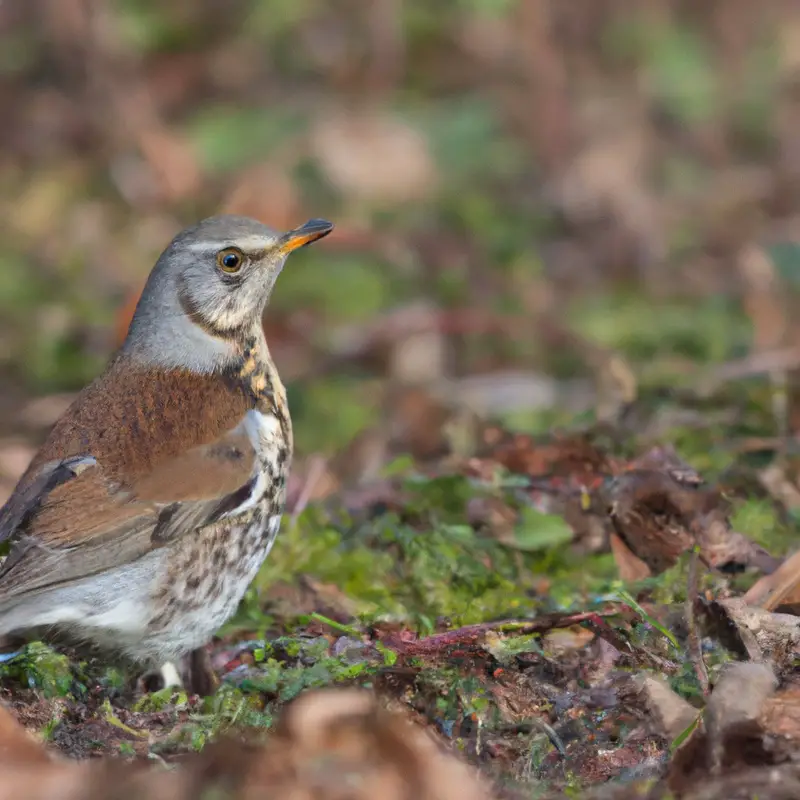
(140, 458)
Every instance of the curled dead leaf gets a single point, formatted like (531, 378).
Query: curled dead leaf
(630, 567)
(331, 743)
(671, 714)
(779, 590)
(659, 518)
(755, 633)
(732, 737)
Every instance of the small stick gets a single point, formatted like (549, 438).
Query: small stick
(471, 634)
(694, 641)
(315, 470)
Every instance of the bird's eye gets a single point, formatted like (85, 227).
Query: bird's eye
(230, 259)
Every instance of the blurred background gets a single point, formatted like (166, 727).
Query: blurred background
(545, 210)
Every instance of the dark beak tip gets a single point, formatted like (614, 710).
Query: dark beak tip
(308, 233)
(317, 225)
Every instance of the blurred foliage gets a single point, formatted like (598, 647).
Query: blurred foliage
(469, 156)
(547, 213)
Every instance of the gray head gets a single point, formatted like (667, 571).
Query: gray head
(209, 288)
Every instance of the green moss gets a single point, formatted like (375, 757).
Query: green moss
(505, 650)
(759, 520)
(428, 563)
(214, 130)
(285, 682)
(327, 415)
(360, 290)
(48, 729)
(537, 531)
(704, 330)
(40, 667)
(231, 705)
(166, 698)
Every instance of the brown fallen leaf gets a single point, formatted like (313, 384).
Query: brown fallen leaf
(330, 744)
(370, 155)
(16, 744)
(771, 304)
(765, 783)
(266, 192)
(566, 459)
(659, 518)
(168, 153)
(780, 716)
(559, 641)
(630, 567)
(753, 632)
(671, 714)
(736, 704)
(124, 315)
(732, 727)
(566, 473)
(331, 739)
(664, 458)
(780, 485)
(780, 590)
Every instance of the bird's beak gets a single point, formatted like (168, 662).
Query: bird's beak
(309, 232)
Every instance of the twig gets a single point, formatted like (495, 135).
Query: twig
(781, 360)
(471, 634)
(315, 471)
(349, 630)
(694, 642)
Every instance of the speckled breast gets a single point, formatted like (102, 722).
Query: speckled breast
(207, 576)
(209, 571)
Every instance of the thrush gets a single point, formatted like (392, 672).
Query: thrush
(140, 523)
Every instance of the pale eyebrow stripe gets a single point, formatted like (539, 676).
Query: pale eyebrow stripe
(246, 243)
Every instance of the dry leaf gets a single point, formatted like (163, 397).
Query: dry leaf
(630, 567)
(659, 517)
(329, 745)
(373, 157)
(266, 192)
(671, 713)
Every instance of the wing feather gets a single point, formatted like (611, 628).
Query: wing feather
(96, 508)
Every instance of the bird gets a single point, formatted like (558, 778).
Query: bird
(149, 509)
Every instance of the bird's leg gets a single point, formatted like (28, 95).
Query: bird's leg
(202, 680)
(170, 675)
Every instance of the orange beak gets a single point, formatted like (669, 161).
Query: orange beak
(310, 232)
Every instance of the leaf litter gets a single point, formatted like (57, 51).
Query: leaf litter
(467, 597)
(599, 612)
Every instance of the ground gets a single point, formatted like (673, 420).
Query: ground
(457, 592)
(543, 378)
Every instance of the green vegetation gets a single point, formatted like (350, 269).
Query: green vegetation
(571, 191)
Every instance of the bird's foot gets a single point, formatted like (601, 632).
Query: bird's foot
(156, 680)
(10, 648)
(198, 675)
(6, 657)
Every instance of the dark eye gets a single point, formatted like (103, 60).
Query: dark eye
(230, 259)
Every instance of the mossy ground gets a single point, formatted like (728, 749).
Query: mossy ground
(411, 600)
(592, 180)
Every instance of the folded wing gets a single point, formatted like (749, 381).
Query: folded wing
(135, 487)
